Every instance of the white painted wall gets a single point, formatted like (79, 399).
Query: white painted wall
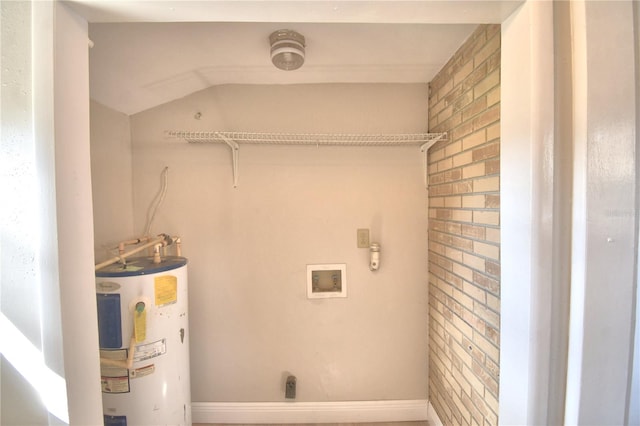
(251, 323)
(604, 215)
(634, 400)
(111, 179)
(603, 281)
(526, 183)
(75, 217)
(18, 220)
(49, 333)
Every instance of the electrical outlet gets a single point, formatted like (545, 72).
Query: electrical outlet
(363, 238)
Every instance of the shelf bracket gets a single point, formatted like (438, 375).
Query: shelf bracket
(235, 153)
(424, 148)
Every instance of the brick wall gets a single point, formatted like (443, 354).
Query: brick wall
(464, 233)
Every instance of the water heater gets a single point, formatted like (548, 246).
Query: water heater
(144, 342)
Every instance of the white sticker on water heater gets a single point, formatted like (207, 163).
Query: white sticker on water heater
(115, 384)
(150, 350)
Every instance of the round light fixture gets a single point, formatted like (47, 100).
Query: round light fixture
(287, 49)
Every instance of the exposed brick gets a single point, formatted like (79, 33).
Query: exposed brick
(485, 282)
(463, 271)
(485, 378)
(489, 349)
(493, 302)
(492, 268)
(490, 251)
(474, 43)
(462, 101)
(462, 72)
(493, 96)
(462, 130)
(492, 334)
(474, 262)
(474, 139)
(441, 261)
(492, 201)
(436, 153)
(493, 369)
(487, 315)
(473, 350)
(492, 166)
(445, 189)
(474, 291)
(453, 148)
(436, 202)
(454, 254)
(492, 234)
(473, 231)
(492, 80)
(445, 164)
(493, 63)
(478, 106)
(486, 217)
(474, 170)
(478, 74)
(473, 201)
(462, 215)
(462, 159)
(462, 187)
(486, 151)
(493, 132)
(454, 279)
(492, 46)
(445, 89)
(464, 235)
(486, 184)
(488, 117)
(478, 401)
(491, 30)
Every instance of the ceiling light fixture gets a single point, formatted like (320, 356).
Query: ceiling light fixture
(287, 49)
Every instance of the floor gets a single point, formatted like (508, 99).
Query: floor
(421, 423)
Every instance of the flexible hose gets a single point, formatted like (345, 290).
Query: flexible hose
(157, 201)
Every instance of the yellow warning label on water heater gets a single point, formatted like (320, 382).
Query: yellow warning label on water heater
(140, 325)
(166, 290)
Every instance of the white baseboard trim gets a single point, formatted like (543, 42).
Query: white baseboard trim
(309, 412)
(434, 419)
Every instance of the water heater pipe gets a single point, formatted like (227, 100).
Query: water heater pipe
(122, 363)
(122, 244)
(162, 240)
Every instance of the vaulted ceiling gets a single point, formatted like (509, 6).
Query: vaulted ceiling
(147, 53)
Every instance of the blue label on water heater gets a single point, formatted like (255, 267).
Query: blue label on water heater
(109, 321)
(115, 420)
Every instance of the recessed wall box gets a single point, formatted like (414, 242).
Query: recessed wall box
(326, 281)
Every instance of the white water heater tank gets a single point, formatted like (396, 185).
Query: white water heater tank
(144, 342)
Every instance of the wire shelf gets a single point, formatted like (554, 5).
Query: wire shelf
(307, 138)
(234, 139)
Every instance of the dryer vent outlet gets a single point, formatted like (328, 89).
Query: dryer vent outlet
(290, 388)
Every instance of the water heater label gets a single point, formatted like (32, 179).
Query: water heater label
(166, 290)
(110, 370)
(150, 350)
(143, 371)
(115, 384)
(107, 287)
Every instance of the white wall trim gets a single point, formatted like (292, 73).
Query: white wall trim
(310, 412)
(432, 417)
